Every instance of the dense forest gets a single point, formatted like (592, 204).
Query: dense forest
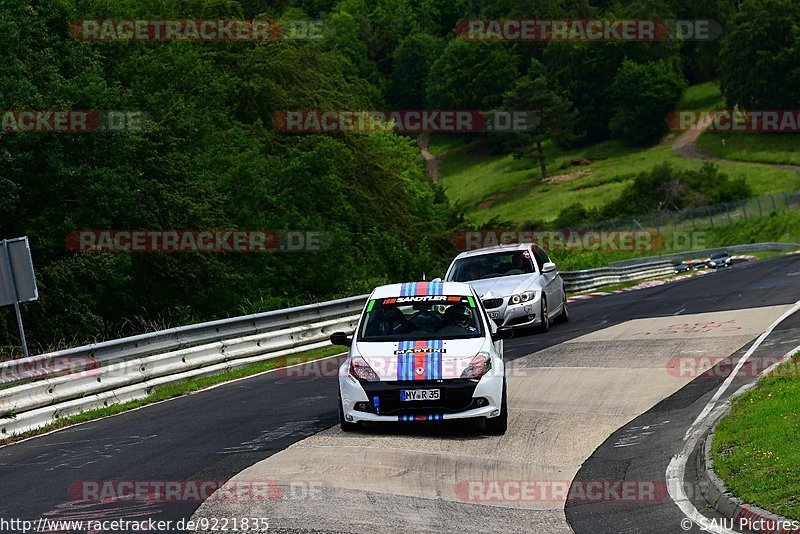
(211, 158)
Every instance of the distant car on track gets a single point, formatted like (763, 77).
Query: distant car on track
(518, 284)
(423, 351)
(721, 259)
(698, 264)
(682, 267)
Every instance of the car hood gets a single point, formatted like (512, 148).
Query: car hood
(502, 286)
(421, 360)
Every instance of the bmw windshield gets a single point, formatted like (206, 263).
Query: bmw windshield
(419, 318)
(491, 266)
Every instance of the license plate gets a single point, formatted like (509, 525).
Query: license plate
(419, 394)
(494, 315)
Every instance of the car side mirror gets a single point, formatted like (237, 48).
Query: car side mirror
(340, 338)
(502, 332)
(548, 267)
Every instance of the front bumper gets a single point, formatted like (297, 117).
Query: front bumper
(517, 315)
(460, 399)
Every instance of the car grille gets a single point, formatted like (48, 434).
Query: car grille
(492, 303)
(456, 396)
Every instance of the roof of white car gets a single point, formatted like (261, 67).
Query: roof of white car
(415, 289)
(495, 248)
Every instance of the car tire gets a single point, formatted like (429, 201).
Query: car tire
(346, 426)
(564, 316)
(498, 425)
(545, 325)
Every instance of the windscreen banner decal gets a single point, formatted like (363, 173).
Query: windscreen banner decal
(423, 298)
(421, 288)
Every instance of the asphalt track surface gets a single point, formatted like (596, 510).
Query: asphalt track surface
(216, 434)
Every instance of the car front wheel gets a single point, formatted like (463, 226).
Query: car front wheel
(545, 325)
(498, 425)
(345, 425)
(564, 316)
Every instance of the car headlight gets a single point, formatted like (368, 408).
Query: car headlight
(360, 369)
(522, 297)
(479, 366)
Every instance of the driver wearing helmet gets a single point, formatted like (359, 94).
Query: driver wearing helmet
(460, 315)
(522, 262)
(388, 321)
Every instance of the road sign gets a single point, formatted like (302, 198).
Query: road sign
(17, 252)
(17, 279)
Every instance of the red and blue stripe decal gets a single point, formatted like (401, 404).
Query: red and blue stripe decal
(428, 417)
(416, 289)
(425, 365)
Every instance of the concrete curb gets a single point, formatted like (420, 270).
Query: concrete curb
(745, 517)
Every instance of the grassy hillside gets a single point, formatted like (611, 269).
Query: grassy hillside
(501, 186)
(781, 148)
(702, 96)
(488, 186)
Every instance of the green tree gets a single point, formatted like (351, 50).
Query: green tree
(643, 94)
(209, 158)
(412, 60)
(471, 75)
(760, 58)
(555, 116)
(585, 72)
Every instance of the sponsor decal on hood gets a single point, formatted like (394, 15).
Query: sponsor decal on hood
(420, 360)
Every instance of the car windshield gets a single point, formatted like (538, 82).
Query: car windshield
(419, 318)
(720, 255)
(491, 266)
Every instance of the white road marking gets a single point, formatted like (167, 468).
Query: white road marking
(632, 438)
(677, 465)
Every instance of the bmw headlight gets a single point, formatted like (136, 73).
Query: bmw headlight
(522, 297)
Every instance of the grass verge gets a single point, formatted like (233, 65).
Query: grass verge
(170, 391)
(755, 450)
(632, 283)
(776, 148)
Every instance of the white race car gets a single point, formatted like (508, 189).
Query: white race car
(423, 351)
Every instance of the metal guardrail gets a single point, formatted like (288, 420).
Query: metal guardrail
(41, 389)
(604, 276)
(109, 352)
(35, 404)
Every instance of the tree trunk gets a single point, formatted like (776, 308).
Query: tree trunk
(543, 165)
